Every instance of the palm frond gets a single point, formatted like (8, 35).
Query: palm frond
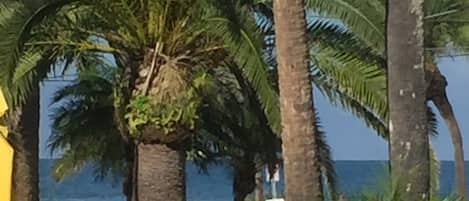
(365, 83)
(325, 159)
(343, 41)
(355, 85)
(13, 15)
(237, 28)
(234, 125)
(369, 117)
(366, 19)
(446, 24)
(82, 122)
(88, 86)
(67, 164)
(18, 63)
(432, 122)
(339, 52)
(26, 74)
(80, 135)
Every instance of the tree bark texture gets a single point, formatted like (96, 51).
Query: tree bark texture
(302, 169)
(161, 175)
(436, 92)
(409, 143)
(244, 181)
(24, 136)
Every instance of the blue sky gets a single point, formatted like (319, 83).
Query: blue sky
(348, 137)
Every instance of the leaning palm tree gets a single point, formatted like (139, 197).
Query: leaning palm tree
(441, 29)
(302, 170)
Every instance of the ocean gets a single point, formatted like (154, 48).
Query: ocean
(353, 176)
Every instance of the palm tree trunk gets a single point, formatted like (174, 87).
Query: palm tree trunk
(259, 191)
(24, 125)
(161, 175)
(129, 187)
(436, 92)
(244, 181)
(302, 168)
(446, 111)
(409, 143)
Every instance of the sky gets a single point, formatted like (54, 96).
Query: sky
(349, 138)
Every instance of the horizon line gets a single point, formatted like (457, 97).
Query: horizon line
(344, 160)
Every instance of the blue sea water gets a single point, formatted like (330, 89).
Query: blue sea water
(216, 186)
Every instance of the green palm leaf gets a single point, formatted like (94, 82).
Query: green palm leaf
(239, 32)
(17, 62)
(80, 125)
(356, 16)
(326, 161)
(364, 83)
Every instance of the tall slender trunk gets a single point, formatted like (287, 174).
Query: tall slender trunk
(259, 191)
(244, 181)
(446, 111)
(161, 175)
(409, 143)
(24, 126)
(436, 92)
(302, 168)
(134, 195)
(129, 186)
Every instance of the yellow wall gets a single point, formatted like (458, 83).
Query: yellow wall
(6, 157)
(6, 162)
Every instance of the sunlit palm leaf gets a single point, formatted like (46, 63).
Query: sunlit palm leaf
(360, 81)
(356, 16)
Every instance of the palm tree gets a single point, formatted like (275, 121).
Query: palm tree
(23, 96)
(70, 44)
(344, 69)
(82, 121)
(302, 169)
(237, 128)
(441, 29)
(226, 133)
(343, 55)
(24, 124)
(92, 94)
(409, 144)
(20, 81)
(146, 41)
